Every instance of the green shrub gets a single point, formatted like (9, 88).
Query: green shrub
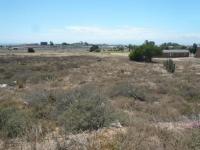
(170, 65)
(13, 122)
(189, 92)
(145, 52)
(136, 55)
(85, 109)
(31, 50)
(77, 110)
(42, 103)
(87, 113)
(95, 48)
(119, 48)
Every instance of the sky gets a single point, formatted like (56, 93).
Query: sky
(100, 21)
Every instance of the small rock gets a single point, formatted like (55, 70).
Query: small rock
(26, 103)
(116, 124)
(157, 103)
(3, 85)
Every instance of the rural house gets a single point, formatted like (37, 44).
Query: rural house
(43, 43)
(174, 53)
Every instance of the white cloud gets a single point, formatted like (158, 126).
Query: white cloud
(115, 33)
(97, 34)
(124, 34)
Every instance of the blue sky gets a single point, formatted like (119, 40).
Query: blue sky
(100, 21)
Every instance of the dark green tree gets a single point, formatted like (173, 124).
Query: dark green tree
(193, 49)
(120, 48)
(137, 54)
(145, 52)
(51, 43)
(95, 48)
(150, 51)
(149, 43)
(130, 47)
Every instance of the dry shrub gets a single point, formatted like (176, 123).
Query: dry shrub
(87, 114)
(189, 91)
(123, 103)
(137, 137)
(21, 84)
(194, 142)
(14, 122)
(142, 136)
(76, 110)
(126, 89)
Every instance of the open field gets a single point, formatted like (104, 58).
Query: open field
(53, 52)
(97, 101)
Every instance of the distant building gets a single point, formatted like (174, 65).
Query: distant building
(32, 44)
(15, 48)
(43, 43)
(198, 53)
(175, 53)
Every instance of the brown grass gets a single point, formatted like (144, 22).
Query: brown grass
(146, 93)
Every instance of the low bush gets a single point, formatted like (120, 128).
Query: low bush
(194, 143)
(77, 110)
(88, 114)
(42, 103)
(136, 55)
(14, 122)
(119, 49)
(87, 110)
(189, 92)
(21, 83)
(31, 50)
(170, 65)
(48, 77)
(2, 70)
(143, 136)
(128, 90)
(95, 48)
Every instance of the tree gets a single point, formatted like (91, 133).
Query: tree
(150, 51)
(119, 48)
(51, 43)
(130, 47)
(170, 45)
(95, 48)
(145, 52)
(149, 43)
(86, 44)
(194, 48)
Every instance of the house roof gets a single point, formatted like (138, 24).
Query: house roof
(176, 51)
